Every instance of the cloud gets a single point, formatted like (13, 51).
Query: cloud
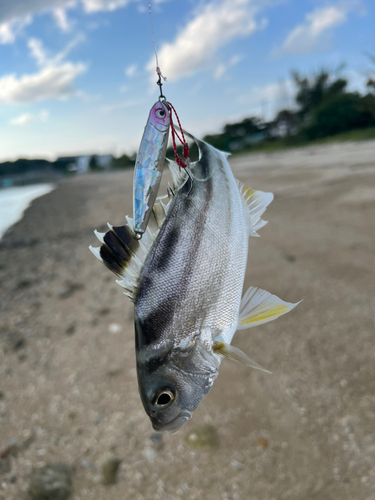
(27, 118)
(16, 14)
(222, 68)
(212, 27)
(22, 120)
(11, 29)
(314, 33)
(37, 51)
(49, 83)
(61, 19)
(104, 5)
(131, 70)
(54, 79)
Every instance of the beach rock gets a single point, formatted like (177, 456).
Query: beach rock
(262, 443)
(24, 283)
(205, 436)
(17, 242)
(157, 441)
(53, 482)
(70, 329)
(16, 340)
(28, 437)
(114, 328)
(115, 372)
(5, 465)
(110, 470)
(69, 289)
(237, 465)
(104, 311)
(290, 258)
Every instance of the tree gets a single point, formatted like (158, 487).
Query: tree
(123, 161)
(93, 164)
(316, 89)
(286, 122)
(339, 114)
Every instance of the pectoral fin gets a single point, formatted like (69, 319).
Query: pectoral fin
(125, 255)
(236, 354)
(258, 307)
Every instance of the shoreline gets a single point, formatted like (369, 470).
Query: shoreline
(14, 201)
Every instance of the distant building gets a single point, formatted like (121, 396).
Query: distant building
(81, 164)
(104, 161)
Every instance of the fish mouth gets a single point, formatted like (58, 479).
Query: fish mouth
(174, 424)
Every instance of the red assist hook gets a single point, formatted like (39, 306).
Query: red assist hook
(185, 147)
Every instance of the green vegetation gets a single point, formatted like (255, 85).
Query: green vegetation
(124, 161)
(20, 166)
(325, 111)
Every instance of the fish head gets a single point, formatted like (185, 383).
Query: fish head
(174, 381)
(159, 116)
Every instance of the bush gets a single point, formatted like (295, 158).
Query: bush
(341, 113)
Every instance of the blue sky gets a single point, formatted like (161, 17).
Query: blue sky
(78, 76)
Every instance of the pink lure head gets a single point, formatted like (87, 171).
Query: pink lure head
(159, 116)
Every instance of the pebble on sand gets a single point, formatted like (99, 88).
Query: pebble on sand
(262, 443)
(110, 470)
(53, 482)
(205, 436)
(114, 328)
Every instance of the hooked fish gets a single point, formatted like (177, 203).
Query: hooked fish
(185, 278)
(149, 165)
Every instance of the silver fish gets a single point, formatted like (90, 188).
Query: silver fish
(149, 165)
(185, 278)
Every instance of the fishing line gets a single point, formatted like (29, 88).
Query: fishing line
(185, 147)
(158, 70)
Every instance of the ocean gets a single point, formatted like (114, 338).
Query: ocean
(15, 200)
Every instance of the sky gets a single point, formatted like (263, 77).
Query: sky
(78, 76)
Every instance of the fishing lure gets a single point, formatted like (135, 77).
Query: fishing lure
(149, 165)
(152, 151)
(150, 160)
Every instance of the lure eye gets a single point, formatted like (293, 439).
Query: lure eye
(163, 398)
(160, 113)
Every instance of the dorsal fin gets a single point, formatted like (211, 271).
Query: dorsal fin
(256, 203)
(123, 254)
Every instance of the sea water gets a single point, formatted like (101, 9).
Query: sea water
(15, 200)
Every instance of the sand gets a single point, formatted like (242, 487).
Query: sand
(67, 366)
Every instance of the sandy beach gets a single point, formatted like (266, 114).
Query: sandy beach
(68, 388)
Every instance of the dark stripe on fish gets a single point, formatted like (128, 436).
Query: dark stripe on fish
(169, 244)
(152, 329)
(155, 359)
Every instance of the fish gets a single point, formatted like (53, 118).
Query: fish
(149, 165)
(185, 278)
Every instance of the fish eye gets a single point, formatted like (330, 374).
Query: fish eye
(160, 113)
(163, 398)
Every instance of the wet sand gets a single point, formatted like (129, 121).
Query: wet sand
(67, 366)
